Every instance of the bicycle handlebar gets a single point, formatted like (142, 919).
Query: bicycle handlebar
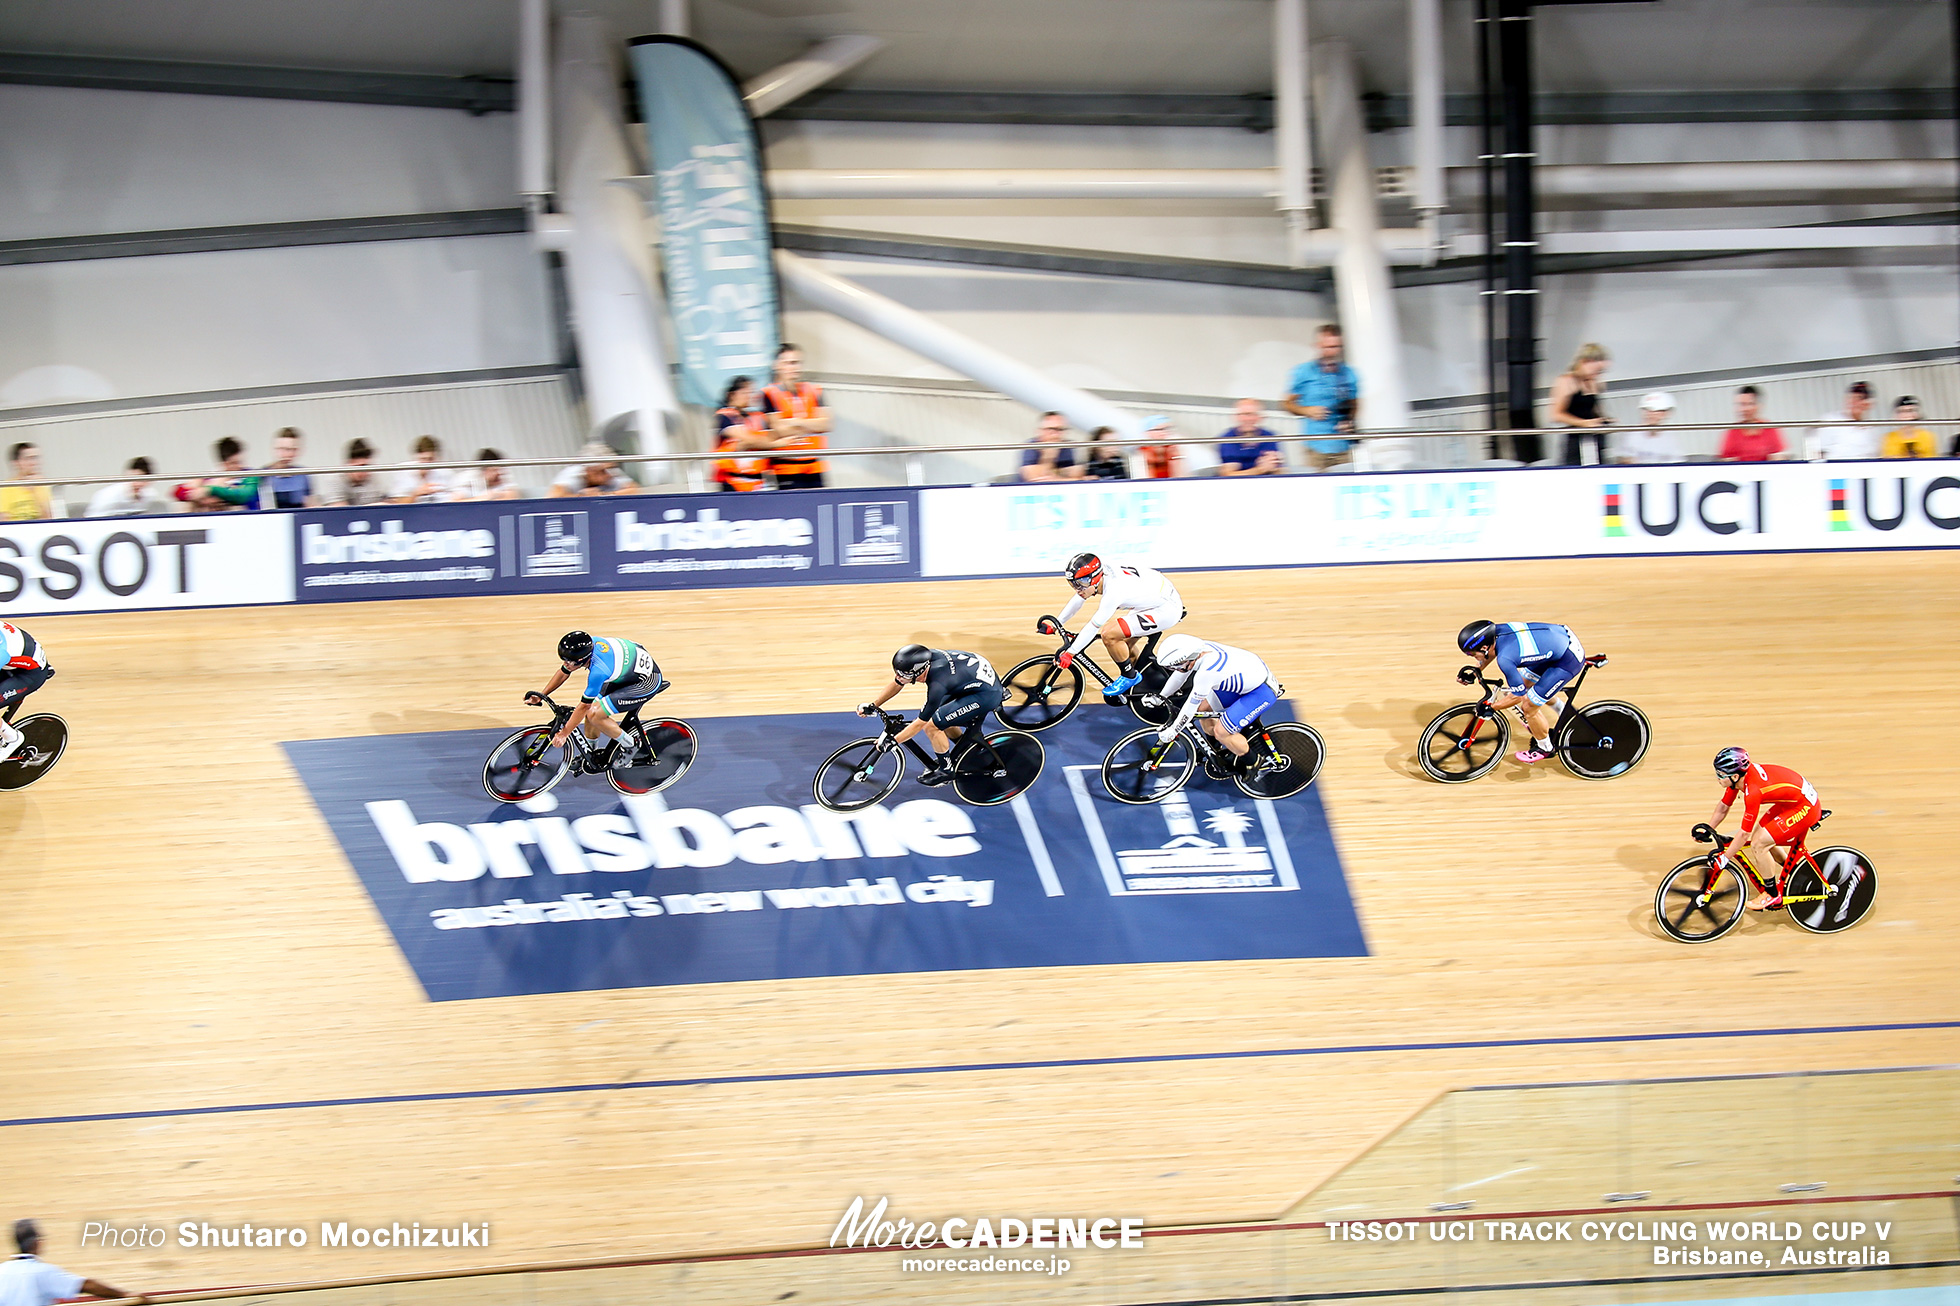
(1706, 833)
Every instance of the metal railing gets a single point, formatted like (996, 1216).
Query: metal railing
(693, 465)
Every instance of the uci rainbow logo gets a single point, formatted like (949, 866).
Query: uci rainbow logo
(1614, 524)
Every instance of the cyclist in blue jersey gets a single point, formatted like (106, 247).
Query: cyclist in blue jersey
(1537, 660)
(618, 675)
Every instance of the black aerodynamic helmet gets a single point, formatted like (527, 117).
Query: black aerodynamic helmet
(910, 662)
(575, 647)
(1475, 635)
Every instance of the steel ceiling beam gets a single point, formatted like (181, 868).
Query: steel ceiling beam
(473, 95)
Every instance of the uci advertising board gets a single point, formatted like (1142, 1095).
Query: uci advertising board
(1445, 516)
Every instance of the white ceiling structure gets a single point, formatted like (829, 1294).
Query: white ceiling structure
(1208, 46)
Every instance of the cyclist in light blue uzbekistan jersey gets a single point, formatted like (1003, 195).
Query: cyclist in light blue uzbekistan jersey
(618, 675)
(1537, 659)
(1229, 681)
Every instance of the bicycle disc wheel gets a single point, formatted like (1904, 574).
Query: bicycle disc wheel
(1000, 769)
(1302, 749)
(1605, 739)
(858, 775)
(1139, 770)
(1694, 907)
(1462, 744)
(668, 748)
(1854, 885)
(44, 738)
(524, 765)
(1038, 693)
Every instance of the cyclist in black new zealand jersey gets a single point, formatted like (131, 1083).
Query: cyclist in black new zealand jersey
(961, 689)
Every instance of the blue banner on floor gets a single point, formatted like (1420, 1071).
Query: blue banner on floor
(734, 873)
(665, 541)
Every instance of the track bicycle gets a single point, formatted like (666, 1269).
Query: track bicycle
(1826, 891)
(647, 757)
(1142, 769)
(1601, 740)
(989, 766)
(44, 740)
(1040, 692)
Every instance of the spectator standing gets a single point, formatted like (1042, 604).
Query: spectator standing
(1831, 440)
(474, 483)
(420, 483)
(1650, 442)
(357, 487)
(1105, 462)
(1575, 406)
(230, 490)
(128, 498)
(598, 474)
(799, 420)
(1908, 439)
(1749, 440)
(1045, 459)
(740, 427)
(20, 498)
(1249, 449)
(1162, 458)
(1327, 393)
(27, 1280)
(289, 491)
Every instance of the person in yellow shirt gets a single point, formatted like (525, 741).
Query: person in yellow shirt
(24, 502)
(1908, 440)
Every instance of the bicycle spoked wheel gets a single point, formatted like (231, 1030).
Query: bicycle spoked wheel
(666, 750)
(1150, 686)
(44, 738)
(1140, 770)
(998, 769)
(1462, 744)
(1696, 903)
(1854, 887)
(858, 775)
(1301, 748)
(1604, 739)
(1038, 693)
(524, 765)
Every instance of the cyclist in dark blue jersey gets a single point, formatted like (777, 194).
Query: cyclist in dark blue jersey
(961, 689)
(1537, 660)
(618, 675)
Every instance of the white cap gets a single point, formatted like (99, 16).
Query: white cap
(1658, 402)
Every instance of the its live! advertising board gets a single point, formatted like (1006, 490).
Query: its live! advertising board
(1445, 516)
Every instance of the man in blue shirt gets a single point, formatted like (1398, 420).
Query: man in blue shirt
(288, 491)
(1045, 459)
(1249, 449)
(1327, 393)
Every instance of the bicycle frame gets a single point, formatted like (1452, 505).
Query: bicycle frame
(1798, 854)
(1485, 712)
(582, 747)
(895, 723)
(1255, 730)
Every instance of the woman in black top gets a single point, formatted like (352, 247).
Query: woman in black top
(1105, 461)
(1575, 405)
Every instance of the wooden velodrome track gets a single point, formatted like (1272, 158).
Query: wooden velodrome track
(178, 928)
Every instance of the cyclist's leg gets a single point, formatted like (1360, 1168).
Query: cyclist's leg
(1241, 714)
(14, 688)
(1541, 708)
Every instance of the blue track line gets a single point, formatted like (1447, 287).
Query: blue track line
(888, 1072)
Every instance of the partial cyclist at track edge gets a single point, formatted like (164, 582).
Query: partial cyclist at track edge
(618, 675)
(1537, 660)
(1146, 600)
(961, 689)
(1783, 801)
(23, 669)
(1236, 684)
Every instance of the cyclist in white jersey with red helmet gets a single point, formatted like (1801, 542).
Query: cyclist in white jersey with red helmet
(23, 669)
(1146, 600)
(1230, 681)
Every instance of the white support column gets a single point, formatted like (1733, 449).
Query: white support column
(673, 18)
(1426, 114)
(534, 100)
(947, 347)
(1292, 132)
(1361, 283)
(805, 73)
(608, 259)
